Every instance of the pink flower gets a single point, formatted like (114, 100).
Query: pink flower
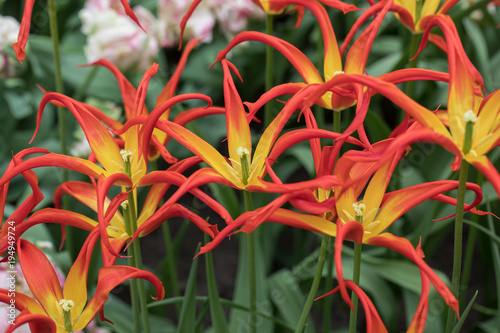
(170, 13)
(233, 15)
(9, 29)
(114, 36)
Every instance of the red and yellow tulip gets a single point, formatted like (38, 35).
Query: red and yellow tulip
(414, 14)
(244, 168)
(66, 309)
(361, 218)
(355, 60)
(128, 92)
(469, 128)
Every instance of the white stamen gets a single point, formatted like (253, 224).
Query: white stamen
(242, 151)
(359, 208)
(126, 154)
(469, 116)
(66, 304)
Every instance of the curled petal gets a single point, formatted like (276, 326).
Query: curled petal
(37, 323)
(404, 247)
(24, 31)
(108, 279)
(351, 231)
(374, 323)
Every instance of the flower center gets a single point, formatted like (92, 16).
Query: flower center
(470, 119)
(245, 165)
(126, 155)
(67, 305)
(359, 210)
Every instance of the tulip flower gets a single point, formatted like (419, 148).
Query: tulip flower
(363, 211)
(414, 14)
(128, 92)
(242, 170)
(355, 60)
(66, 309)
(115, 156)
(468, 129)
(114, 233)
(24, 31)
(121, 161)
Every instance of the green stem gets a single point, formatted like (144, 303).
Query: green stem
(88, 80)
(355, 278)
(135, 252)
(329, 278)
(457, 249)
(58, 77)
(252, 274)
(61, 116)
(327, 305)
(169, 248)
(172, 271)
(336, 121)
(415, 42)
(134, 290)
(410, 85)
(268, 111)
(471, 243)
(315, 284)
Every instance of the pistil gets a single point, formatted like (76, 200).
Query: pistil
(470, 119)
(67, 305)
(245, 165)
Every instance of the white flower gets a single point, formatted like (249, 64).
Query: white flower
(116, 37)
(233, 15)
(170, 14)
(9, 29)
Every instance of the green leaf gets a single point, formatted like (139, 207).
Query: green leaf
(187, 317)
(219, 321)
(376, 127)
(458, 326)
(288, 297)
(120, 313)
(239, 320)
(19, 103)
(476, 36)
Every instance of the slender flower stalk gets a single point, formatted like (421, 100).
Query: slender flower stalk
(61, 115)
(323, 250)
(457, 245)
(252, 273)
(268, 116)
(359, 210)
(134, 250)
(469, 119)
